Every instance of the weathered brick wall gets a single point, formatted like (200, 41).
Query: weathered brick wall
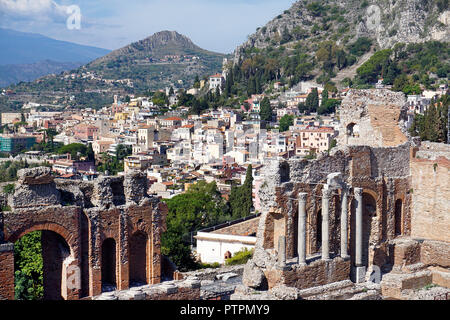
(245, 228)
(377, 113)
(182, 294)
(6, 271)
(124, 214)
(317, 273)
(435, 253)
(430, 218)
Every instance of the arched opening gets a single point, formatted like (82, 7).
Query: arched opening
(284, 172)
(398, 217)
(279, 228)
(109, 265)
(319, 230)
(352, 130)
(138, 259)
(370, 226)
(39, 258)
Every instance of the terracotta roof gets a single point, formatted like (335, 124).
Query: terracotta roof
(70, 175)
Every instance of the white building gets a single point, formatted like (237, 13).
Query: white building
(214, 244)
(211, 247)
(216, 81)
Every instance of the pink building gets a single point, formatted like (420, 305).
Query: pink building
(86, 132)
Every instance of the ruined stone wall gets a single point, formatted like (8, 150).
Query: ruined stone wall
(80, 216)
(384, 176)
(317, 273)
(245, 228)
(376, 115)
(430, 218)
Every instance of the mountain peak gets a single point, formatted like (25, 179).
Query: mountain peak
(156, 46)
(166, 38)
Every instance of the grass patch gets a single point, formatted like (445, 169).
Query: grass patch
(240, 257)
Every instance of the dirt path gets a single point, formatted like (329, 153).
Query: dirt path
(350, 72)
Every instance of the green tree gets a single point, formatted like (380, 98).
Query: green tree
(123, 151)
(28, 266)
(197, 82)
(433, 124)
(241, 198)
(285, 122)
(369, 71)
(199, 207)
(160, 99)
(266, 110)
(76, 150)
(312, 100)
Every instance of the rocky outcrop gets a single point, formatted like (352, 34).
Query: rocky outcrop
(35, 188)
(387, 22)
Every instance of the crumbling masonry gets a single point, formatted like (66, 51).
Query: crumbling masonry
(96, 236)
(379, 199)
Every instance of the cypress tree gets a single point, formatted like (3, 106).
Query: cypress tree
(266, 110)
(312, 101)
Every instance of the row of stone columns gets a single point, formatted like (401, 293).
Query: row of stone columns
(326, 195)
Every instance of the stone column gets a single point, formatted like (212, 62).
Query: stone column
(282, 252)
(344, 224)
(301, 244)
(360, 269)
(326, 194)
(358, 227)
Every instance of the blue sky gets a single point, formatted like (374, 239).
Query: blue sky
(212, 24)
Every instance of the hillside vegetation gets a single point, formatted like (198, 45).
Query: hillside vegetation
(317, 40)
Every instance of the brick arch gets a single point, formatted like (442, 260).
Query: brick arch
(139, 257)
(43, 226)
(398, 216)
(56, 259)
(109, 262)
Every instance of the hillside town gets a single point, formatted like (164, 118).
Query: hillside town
(177, 149)
(309, 162)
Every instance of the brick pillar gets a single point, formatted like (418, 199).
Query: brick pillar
(154, 249)
(95, 270)
(123, 279)
(7, 271)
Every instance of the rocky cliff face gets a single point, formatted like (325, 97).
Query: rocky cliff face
(386, 21)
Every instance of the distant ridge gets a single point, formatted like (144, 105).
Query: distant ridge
(165, 59)
(28, 56)
(25, 48)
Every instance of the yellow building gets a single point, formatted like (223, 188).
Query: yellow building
(121, 116)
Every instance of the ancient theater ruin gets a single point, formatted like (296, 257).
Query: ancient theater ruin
(370, 220)
(95, 235)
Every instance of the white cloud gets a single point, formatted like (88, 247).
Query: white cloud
(33, 10)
